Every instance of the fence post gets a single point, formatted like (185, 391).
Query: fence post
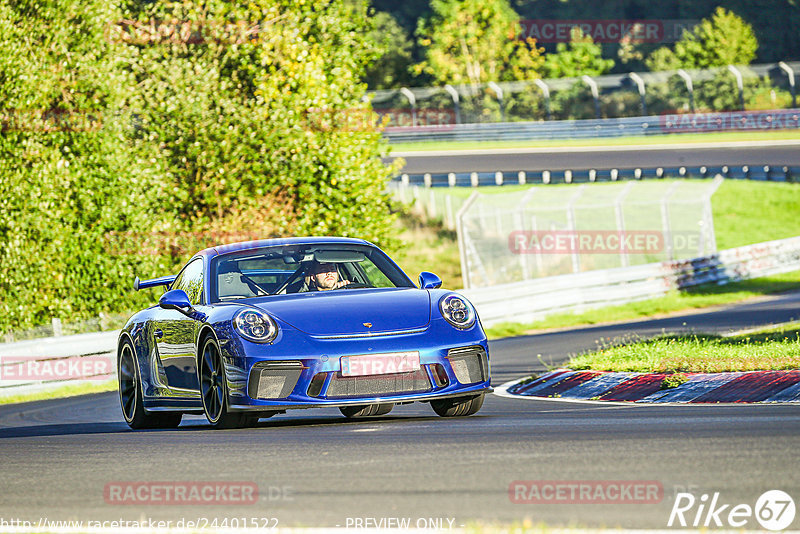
(739, 84)
(689, 86)
(462, 238)
(546, 91)
(406, 92)
(498, 91)
(456, 101)
(57, 331)
(640, 84)
(790, 73)
(595, 94)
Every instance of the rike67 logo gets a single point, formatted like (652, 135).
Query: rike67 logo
(774, 510)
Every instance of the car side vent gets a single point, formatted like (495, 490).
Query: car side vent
(470, 364)
(273, 380)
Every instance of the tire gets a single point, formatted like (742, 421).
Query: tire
(370, 410)
(252, 419)
(458, 406)
(214, 388)
(131, 398)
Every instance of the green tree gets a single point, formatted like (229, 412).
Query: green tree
(125, 144)
(476, 41)
(581, 56)
(724, 39)
(392, 68)
(68, 178)
(273, 124)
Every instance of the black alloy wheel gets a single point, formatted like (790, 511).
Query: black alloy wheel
(131, 398)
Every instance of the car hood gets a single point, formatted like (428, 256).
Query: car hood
(349, 312)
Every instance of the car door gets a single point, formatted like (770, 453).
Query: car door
(175, 334)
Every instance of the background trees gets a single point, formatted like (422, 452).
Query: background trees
(135, 133)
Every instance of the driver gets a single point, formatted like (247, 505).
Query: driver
(323, 277)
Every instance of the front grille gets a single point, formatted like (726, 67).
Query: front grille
(273, 380)
(375, 385)
(470, 364)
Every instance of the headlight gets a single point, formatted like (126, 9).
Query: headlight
(255, 325)
(458, 311)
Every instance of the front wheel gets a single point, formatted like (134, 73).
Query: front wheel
(458, 406)
(214, 388)
(130, 395)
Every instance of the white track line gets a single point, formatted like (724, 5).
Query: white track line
(590, 149)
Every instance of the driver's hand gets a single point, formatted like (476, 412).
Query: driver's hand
(341, 283)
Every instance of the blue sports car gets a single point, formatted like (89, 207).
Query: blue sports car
(248, 330)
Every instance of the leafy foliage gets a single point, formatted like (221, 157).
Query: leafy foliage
(581, 56)
(392, 68)
(475, 41)
(724, 39)
(215, 117)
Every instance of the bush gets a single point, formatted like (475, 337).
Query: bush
(213, 124)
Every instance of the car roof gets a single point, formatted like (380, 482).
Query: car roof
(247, 245)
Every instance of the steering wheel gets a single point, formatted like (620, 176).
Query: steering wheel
(355, 285)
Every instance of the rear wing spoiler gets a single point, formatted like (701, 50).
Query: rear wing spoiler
(155, 282)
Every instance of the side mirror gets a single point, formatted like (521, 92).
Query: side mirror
(429, 280)
(175, 299)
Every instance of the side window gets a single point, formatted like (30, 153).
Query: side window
(191, 281)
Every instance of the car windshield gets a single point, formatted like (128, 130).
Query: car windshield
(288, 269)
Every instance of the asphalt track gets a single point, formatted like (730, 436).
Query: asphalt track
(513, 160)
(314, 468)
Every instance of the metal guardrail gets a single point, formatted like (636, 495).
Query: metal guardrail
(598, 128)
(49, 363)
(534, 299)
(758, 172)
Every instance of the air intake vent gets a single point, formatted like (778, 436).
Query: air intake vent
(374, 385)
(470, 364)
(273, 380)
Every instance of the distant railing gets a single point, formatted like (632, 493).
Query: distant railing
(787, 119)
(583, 97)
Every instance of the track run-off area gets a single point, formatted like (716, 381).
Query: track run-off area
(64, 459)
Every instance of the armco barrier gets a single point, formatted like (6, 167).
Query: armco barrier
(785, 119)
(533, 299)
(44, 364)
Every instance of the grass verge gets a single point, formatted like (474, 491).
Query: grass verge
(615, 141)
(672, 302)
(70, 390)
(429, 247)
(772, 349)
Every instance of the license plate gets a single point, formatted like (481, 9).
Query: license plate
(380, 364)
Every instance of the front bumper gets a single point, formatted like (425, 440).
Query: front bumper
(314, 379)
